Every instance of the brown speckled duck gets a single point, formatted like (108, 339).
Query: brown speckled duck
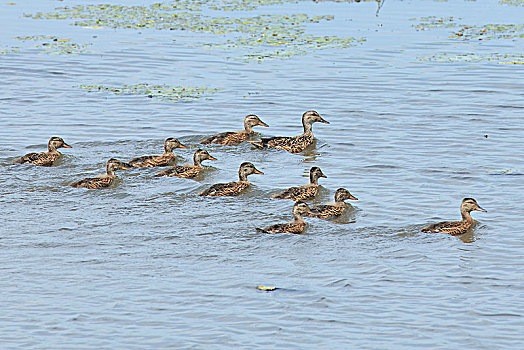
(236, 137)
(328, 210)
(233, 188)
(297, 226)
(455, 228)
(306, 191)
(162, 160)
(104, 180)
(293, 144)
(44, 158)
(188, 171)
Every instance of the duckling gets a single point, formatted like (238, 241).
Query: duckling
(103, 180)
(333, 209)
(236, 137)
(236, 187)
(297, 226)
(293, 144)
(44, 158)
(163, 160)
(188, 171)
(455, 228)
(306, 191)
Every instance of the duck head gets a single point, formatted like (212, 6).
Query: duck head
(246, 169)
(114, 164)
(56, 142)
(310, 117)
(171, 143)
(252, 120)
(201, 155)
(342, 194)
(469, 205)
(314, 174)
(300, 209)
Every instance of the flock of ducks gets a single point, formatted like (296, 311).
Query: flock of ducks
(298, 194)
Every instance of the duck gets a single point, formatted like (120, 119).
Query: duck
(103, 180)
(233, 138)
(165, 159)
(328, 210)
(293, 144)
(456, 228)
(304, 192)
(189, 171)
(297, 226)
(44, 158)
(233, 188)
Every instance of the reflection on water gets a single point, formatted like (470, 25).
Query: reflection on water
(125, 266)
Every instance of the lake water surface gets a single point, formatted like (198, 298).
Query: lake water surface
(421, 117)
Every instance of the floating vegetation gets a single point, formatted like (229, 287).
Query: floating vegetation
(505, 172)
(8, 51)
(55, 46)
(512, 2)
(508, 58)
(472, 32)
(161, 92)
(257, 34)
(431, 22)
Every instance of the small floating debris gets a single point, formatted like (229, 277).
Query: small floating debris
(266, 289)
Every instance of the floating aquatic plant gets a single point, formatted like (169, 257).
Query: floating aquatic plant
(472, 32)
(514, 58)
(512, 2)
(161, 92)
(54, 45)
(256, 33)
(8, 51)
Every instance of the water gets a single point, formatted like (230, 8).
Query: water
(148, 264)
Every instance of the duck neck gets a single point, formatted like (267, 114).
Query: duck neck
(308, 127)
(51, 148)
(466, 216)
(313, 179)
(110, 172)
(340, 203)
(248, 129)
(242, 176)
(197, 161)
(297, 218)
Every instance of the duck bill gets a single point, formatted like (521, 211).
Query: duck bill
(481, 209)
(353, 197)
(212, 158)
(66, 145)
(261, 123)
(258, 172)
(322, 120)
(125, 168)
(322, 175)
(182, 146)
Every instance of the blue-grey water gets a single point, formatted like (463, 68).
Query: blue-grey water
(149, 264)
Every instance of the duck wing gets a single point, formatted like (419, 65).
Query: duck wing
(42, 158)
(183, 171)
(151, 161)
(451, 227)
(293, 144)
(292, 227)
(325, 211)
(298, 193)
(93, 182)
(225, 138)
(225, 189)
